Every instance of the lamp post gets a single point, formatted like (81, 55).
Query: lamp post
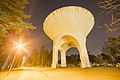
(23, 61)
(18, 46)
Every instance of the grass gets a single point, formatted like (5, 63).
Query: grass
(69, 73)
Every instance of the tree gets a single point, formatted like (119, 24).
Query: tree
(49, 59)
(40, 57)
(73, 60)
(12, 17)
(43, 56)
(112, 46)
(93, 58)
(107, 59)
(117, 59)
(12, 20)
(111, 7)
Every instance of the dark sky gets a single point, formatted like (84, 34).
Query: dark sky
(41, 8)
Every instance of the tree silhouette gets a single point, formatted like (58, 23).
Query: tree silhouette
(112, 47)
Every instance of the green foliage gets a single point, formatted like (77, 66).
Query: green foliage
(12, 20)
(93, 59)
(40, 57)
(106, 58)
(12, 17)
(112, 46)
(73, 59)
(117, 59)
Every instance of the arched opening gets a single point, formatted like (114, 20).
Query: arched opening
(66, 42)
(72, 57)
(69, 53)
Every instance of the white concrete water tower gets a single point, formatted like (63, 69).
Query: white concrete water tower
(68, 27)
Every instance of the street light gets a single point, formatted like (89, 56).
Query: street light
(18, 46)
(23, 61)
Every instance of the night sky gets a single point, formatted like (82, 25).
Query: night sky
(39, 9)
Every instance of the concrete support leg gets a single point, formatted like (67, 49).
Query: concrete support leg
(63, 58)
(54, 56)
(84, 56)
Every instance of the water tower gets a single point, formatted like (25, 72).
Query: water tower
(68, 27)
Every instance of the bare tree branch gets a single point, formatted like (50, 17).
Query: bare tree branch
(111, 7)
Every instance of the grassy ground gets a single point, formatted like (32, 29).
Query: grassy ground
(71, 73)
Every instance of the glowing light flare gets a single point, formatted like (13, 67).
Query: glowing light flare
(20, 45)
(24, 58)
